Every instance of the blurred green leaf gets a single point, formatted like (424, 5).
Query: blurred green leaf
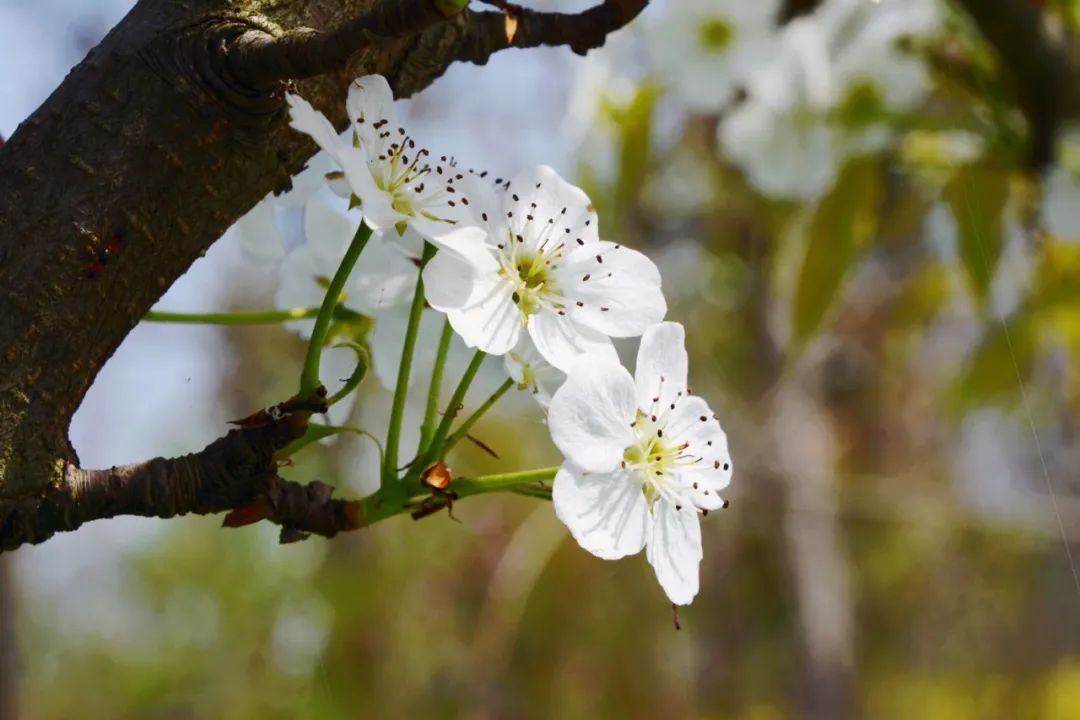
(634, 121)
(1057, 278)
(841, 227)
(976, 194)
(1006, 352)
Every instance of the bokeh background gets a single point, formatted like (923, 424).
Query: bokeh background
(882, 299)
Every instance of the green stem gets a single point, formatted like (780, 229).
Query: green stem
(504, 482)
(427, 429)
(395, 499)
(463, 430)
(401, 391)
(435, 450)
(315, 433)
(309, 376)
(263, 317)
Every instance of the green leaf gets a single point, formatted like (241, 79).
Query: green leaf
(635, 128)
(999, 364)
(977, 194)
(842, 225)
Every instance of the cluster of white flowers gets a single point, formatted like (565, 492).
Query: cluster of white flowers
(520, 271)
(818, 89)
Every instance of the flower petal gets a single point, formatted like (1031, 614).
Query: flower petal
(543, 208)
(306, 119)
(376, 204)
(259, 234)
(618, 289)
(384, 278)
(489, 320)
(661, 367)
(606, 513)
(674, 551)
(298, 287)
(528, 368)
(561, 340)
(328, 230)
(370, 101)
(590, 415)
(693, 423)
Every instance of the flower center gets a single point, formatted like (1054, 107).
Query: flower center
(532, 273)
(656, 460)
(715, 35)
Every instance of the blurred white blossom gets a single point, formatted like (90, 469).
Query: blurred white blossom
(705, 48)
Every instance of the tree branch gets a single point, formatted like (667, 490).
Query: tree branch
(486, 32)
(236, 472)
(260, 60)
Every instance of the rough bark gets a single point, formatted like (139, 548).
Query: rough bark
(155, 143)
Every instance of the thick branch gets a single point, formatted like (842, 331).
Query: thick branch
(260, 60)
(235, 472)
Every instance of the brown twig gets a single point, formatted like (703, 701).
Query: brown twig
(485, 33)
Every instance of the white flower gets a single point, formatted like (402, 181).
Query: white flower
(259, 232)
(707, 47)
(1061, 204)
(396, 183)
(528, 368)
(643, 458)
(864, 37)
(543, 269)
(384, 278)
(778, 135)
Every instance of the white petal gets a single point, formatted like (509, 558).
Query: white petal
(388, 337)
(561, 340)
(385, 277)
(693, 423)
(618, 288)
(450, 280)
(606, 513)
(259, 234)
(370, 100)
(490, 319)
(310, 180)
(562, 212)
(335, 367)
(674, 551)
(298, 287)
(455, 200)
(306, 119)
(661, 367)
(328, 230)
(375, 203)
(590, 415)
(528, 368)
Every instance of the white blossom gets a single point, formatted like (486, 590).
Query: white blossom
(643, 458)
(826, 93)
(397, 183)
(532, 373)
(778, 135)
(706, 48)
(542, 269)
(384, 278)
